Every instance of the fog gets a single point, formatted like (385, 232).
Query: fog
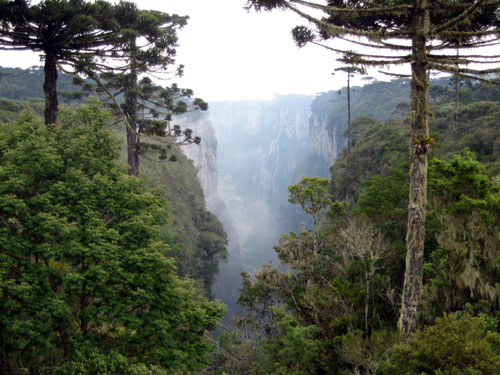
(257, 228)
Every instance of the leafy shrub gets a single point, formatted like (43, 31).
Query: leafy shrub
(453, 346)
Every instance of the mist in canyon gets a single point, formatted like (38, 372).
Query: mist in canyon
(251, 151)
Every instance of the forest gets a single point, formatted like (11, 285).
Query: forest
(108, 253)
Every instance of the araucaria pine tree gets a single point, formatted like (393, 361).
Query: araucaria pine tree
(145, 43)
(70, 32)
(425, 35)
(350, 70)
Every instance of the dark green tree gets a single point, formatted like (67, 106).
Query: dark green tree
(311, 193)
(83, 272)
(464, 268)
(69, 32)
(146, 43)
(425, 35)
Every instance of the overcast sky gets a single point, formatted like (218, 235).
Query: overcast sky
(232, 54)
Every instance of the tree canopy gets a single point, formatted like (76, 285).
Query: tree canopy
(70, 32)
(145, 44)
(82, 265)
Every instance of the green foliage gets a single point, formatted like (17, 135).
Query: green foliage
(453, 346)
(330, 288)
(90, 361)
(311, 194)
(384, 200)
(380, 147)
(196, 237)
(463, 186)
(11, 109)
(293, 349)
(377, 147)
(237, 353)
(466, 203)
(365, 354)
(82, 264)
(264, 4)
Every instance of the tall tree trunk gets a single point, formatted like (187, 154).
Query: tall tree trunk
(133, 146)
(412, 289)
(348, 127)
(455, 112)
(133, 138)
(348, 111)
(50, 88)
(316, 235)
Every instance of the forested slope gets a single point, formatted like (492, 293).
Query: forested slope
(196, 237)
(381, 145)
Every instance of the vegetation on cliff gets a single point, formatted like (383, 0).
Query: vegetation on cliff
(335, 309)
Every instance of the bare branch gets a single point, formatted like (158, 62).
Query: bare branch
(453, 70)
(395, 74)
(334, 31)
(376, 11)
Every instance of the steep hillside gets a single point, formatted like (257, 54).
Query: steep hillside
(195, 235)
(379, 146)
(204, 157)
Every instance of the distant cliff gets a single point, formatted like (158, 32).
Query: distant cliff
(261, 143)
(204, 157)
(261, 147)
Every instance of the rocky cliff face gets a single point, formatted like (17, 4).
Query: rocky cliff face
(263, 146)
(204, 155)
(251, 151)
(329, 113)
(261, 143)
(322, 143)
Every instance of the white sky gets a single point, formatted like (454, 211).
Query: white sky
(232, 54)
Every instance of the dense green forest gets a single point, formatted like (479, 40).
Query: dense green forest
(333, 305)
(108, 254)
(174, 215)
(196, 237)
(87, 281)
(101, 270)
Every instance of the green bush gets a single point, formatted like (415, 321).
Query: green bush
(91, 361)
(453, 346)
